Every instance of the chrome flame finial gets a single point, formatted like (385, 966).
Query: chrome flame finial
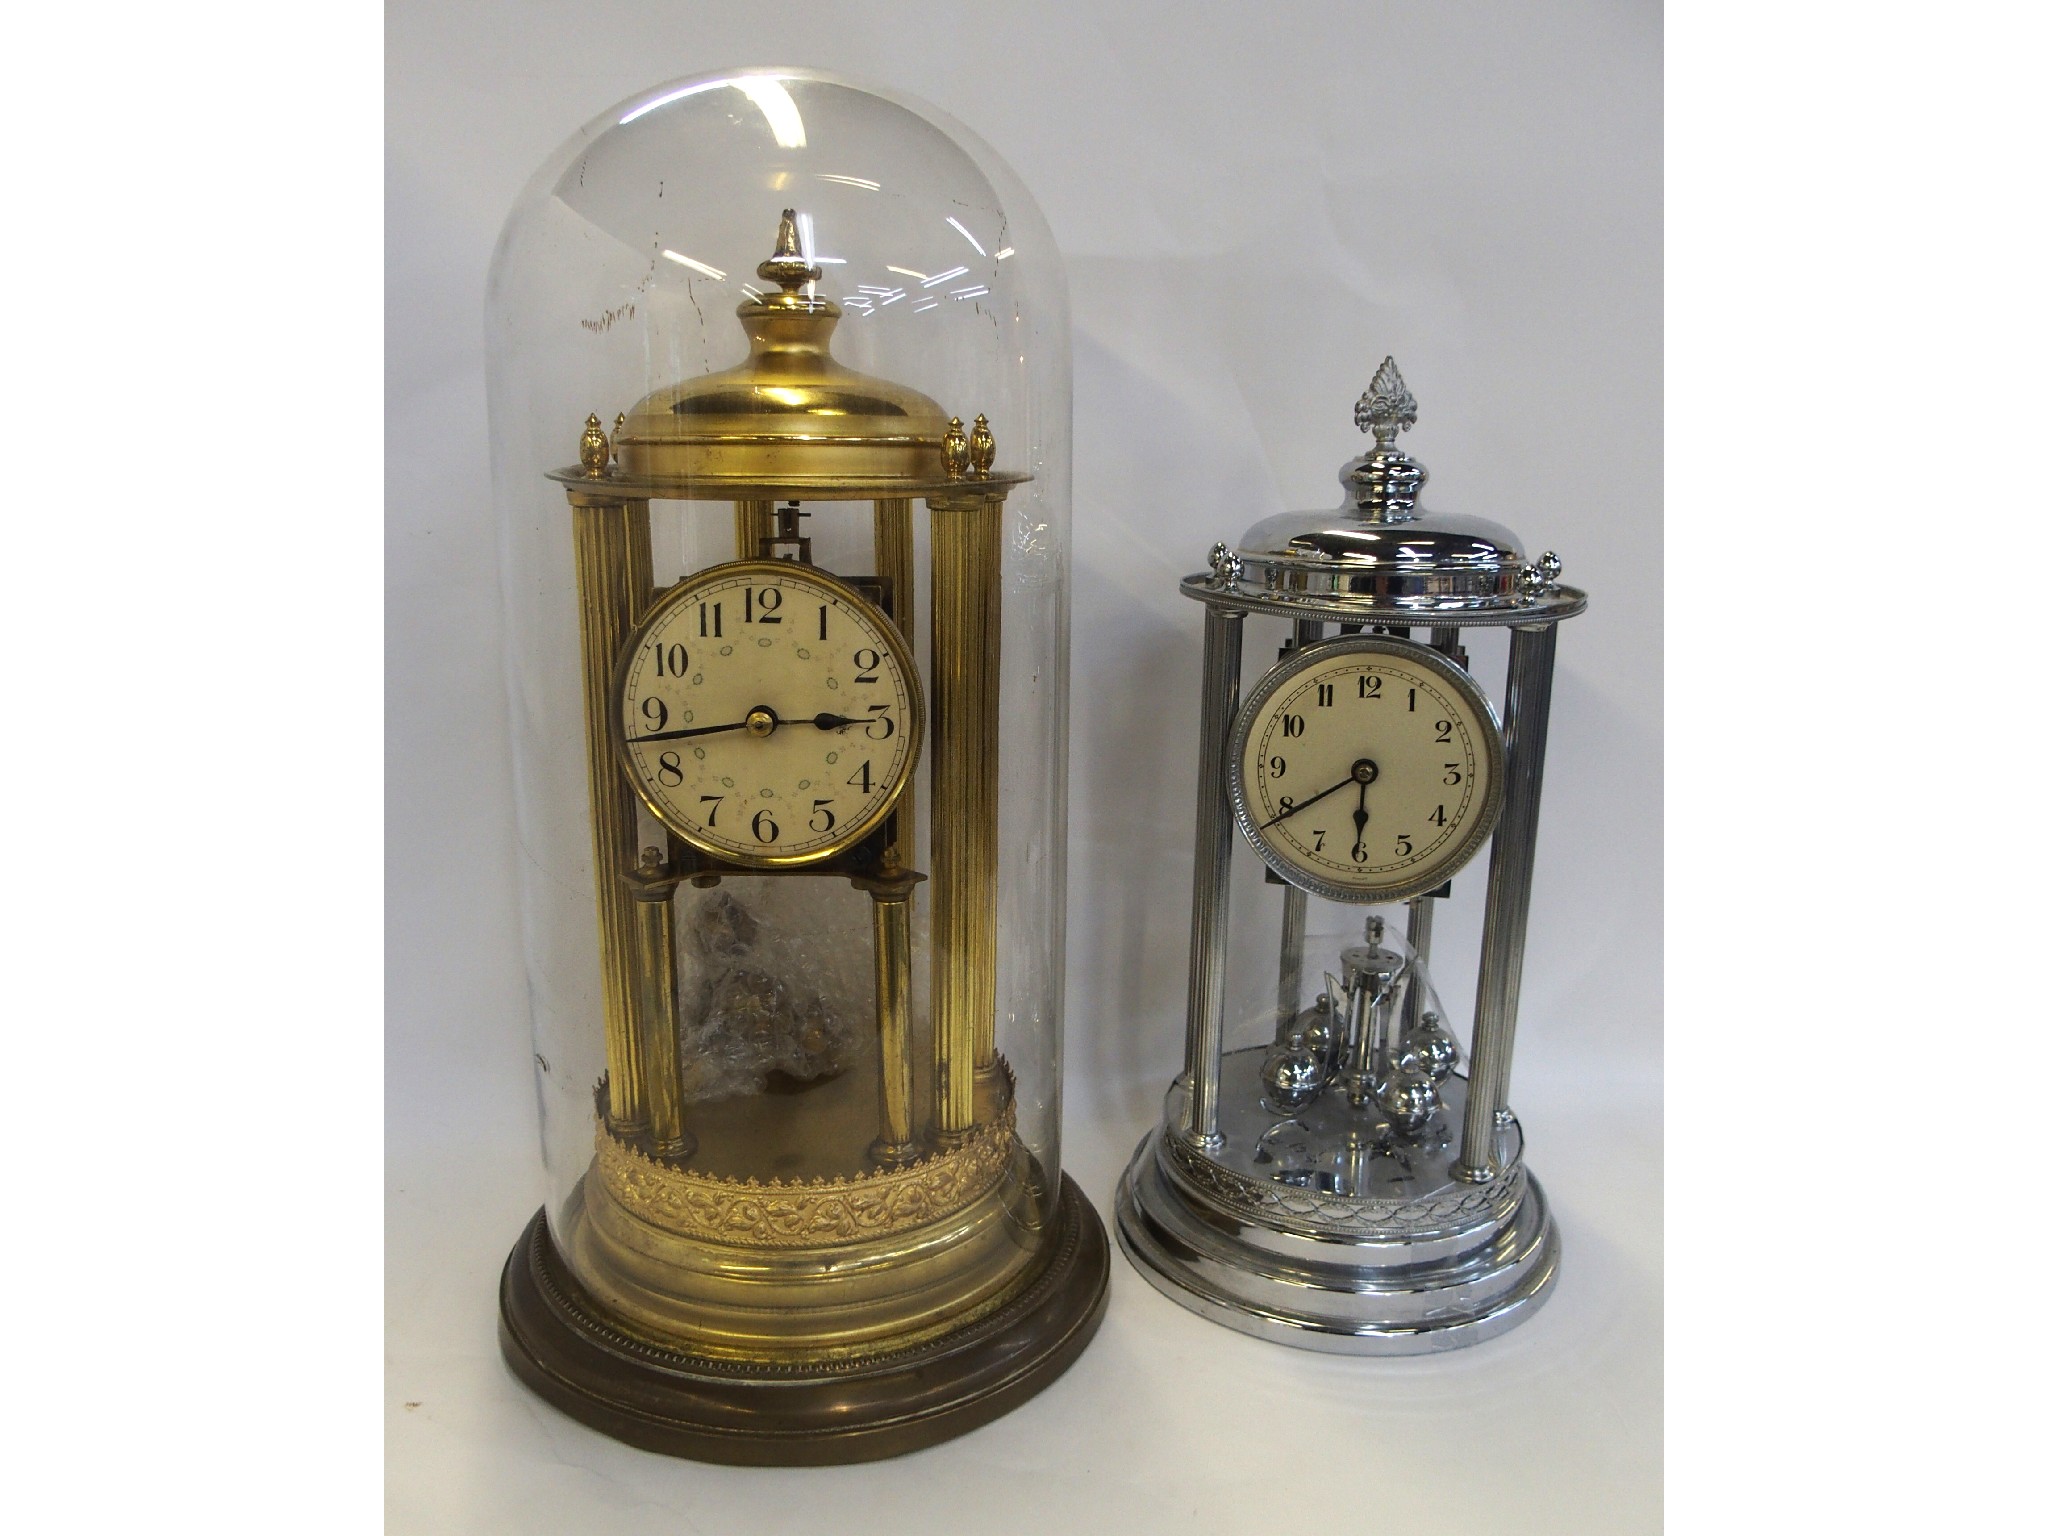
(1386, 407)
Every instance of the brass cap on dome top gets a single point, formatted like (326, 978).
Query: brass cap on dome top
(790, 415)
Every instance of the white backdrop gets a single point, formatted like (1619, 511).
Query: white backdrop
(1255, 204)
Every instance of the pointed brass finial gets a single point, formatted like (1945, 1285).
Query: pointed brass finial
(953, 450)
(595, 451)
(981, 448)
(787, 266)
(1386, 407)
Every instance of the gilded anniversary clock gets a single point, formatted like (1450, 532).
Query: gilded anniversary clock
(787, 646)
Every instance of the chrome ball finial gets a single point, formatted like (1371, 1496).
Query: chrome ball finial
(1224, 565)
(1293, 1075)
(1409, 1097)
(1432, 1048)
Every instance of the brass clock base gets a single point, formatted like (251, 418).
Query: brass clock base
(558, 1340)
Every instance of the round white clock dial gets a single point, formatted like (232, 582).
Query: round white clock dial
(768, 714)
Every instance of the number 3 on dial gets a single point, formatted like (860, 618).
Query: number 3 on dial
(1366, 769)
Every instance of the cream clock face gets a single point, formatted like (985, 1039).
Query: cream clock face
(768, 714)
(1366, 769)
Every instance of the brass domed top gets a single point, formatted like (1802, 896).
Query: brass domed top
(790, 415)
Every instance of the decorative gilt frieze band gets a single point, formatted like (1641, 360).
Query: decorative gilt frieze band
(807, 1212)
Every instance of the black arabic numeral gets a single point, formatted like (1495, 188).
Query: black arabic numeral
(765, 830)
(1326, 695)
(1443, 733)
(867, 665)
(1411, 701)
(1320, 835)
(1452, 775)
(821, 621)
(711, 621)
(1403, 845)
(1368, 687)
(669, 770)
(712, 819)
(881, 714)
(670, 660)
(654, 712)
(865, 779)
(1277, 766)
(1292, 725)
(768, 614)
(1438, 819)
(820, 808)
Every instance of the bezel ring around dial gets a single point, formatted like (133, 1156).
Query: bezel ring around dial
(682, 593)
(1318, 654)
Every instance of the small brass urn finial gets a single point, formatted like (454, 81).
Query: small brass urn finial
(981, 448)
(596, 450)
(787, 266)
(953, 450)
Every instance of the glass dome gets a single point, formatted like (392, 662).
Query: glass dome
(780, 408)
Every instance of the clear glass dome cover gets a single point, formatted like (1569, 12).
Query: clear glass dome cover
(768, 348)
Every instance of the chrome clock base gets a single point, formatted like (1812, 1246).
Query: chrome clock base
(1364, 1271)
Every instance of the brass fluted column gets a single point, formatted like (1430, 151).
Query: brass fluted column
(896, 560)
(752, 521)
(966, 672)
(654, 934)
(614, 582)
(890, 887)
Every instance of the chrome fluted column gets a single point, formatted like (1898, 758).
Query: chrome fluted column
(1532, 657)
(1222, 657)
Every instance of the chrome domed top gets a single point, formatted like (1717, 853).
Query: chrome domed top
(1381, 549)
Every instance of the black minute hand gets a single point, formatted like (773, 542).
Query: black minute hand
(822, 722)
(695, 730)
(1311, 800)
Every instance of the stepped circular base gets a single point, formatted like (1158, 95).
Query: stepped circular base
(560, 1342)
(1339, 1294)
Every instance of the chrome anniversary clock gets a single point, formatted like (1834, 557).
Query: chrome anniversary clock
(1329, 1172)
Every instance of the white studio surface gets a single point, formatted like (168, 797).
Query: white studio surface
(1255, 207)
